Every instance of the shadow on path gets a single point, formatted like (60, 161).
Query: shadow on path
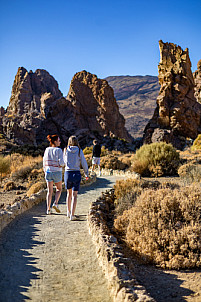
(16, 264)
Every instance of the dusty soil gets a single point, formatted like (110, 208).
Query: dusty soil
(167, 285)
(163, 285)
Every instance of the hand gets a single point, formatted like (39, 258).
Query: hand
(87, 178)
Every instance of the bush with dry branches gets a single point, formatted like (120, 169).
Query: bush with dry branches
(164, 227)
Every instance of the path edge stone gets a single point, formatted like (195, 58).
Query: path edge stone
(116, 267)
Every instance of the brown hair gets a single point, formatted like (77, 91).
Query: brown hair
(52, 139)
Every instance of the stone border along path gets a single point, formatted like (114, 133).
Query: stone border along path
(122, 283)
(49, 258)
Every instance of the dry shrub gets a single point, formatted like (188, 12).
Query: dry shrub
(156, 159)
(88, 150)
(164, 227)
(22, 166)
(190, 172)
(112, 162)
(10, 185)
(19, 160)
(22, 173)
(36, 175)
(4, 166)
(126, 159)
(127, 191)
(197, 143)
(36, 188)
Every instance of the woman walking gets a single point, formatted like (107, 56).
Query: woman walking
(52, 165)
(73, 157)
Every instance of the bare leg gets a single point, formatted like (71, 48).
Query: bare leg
(99, 169)
(58, 191)
(49, 193)
(74, 203)
(68, 200)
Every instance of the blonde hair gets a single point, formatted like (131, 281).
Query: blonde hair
(73, 141)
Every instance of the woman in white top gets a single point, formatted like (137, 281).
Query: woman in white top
(52, 165)
(73, 157)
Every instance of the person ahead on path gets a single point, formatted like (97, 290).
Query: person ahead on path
(52, 165)
(73, 157)
(96, 156)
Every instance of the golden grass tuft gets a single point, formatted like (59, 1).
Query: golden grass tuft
(35, 188)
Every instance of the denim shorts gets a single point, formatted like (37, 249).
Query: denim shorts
(72, 180)
(53, 176)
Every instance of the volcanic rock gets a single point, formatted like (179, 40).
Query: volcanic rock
(95, 106)
(197, 79)
(37, 108)
(178, 114)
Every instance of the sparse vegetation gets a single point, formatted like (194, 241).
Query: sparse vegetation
(157, 159)
(197, 143)
(4, 166)
(163, 227)
(35, 188)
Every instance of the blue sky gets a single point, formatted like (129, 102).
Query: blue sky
(103, 37)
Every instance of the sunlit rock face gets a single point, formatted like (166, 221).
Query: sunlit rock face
(178, 114)
(197, 79)
(37, 108)
(95, 105)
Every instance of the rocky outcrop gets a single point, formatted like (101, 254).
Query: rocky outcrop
(37, 108)
(95, 106)
(178, 114)
(197, 79)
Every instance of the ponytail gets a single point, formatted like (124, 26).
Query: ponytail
(52, 139)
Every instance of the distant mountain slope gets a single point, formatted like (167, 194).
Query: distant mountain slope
(136, 97)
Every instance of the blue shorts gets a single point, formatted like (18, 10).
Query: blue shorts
(72, 180)
(53, 176)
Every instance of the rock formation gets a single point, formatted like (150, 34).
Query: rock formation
(37, 108)
(178, 114)
(197, 79)
(95, 106)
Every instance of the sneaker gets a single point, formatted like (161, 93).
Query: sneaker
(68, 214)
(48, 212)
(72, 217)
(56, 207)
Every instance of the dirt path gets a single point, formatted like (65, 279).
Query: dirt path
(50, 258)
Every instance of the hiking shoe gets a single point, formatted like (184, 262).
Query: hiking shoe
(56, 207)
(72, 217)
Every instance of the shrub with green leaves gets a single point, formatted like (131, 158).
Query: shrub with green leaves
(156, 159)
